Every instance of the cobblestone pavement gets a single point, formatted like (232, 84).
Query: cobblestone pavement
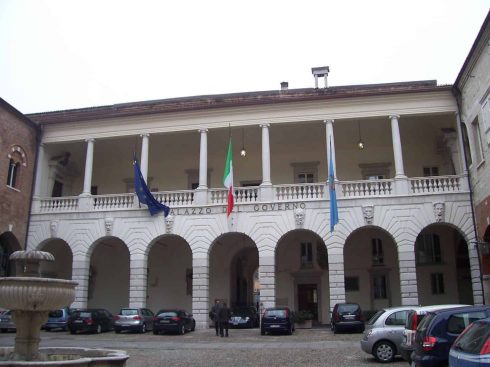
(306, 347)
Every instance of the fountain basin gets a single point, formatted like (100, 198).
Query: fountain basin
(36, 294)
(73, 357)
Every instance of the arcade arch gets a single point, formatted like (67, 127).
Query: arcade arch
(8, 244)
(61, 267)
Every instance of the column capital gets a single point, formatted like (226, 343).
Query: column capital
(265, 124)
(145, 135)
(90, 140)
(328, 121)
(394, 117)
(203, 130)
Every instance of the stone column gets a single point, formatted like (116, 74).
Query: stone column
(80, 274)
(200, 289)
(475, 272)
(408, 273)
(401, 180)
(464, 170)
(336, 273)
(145, 148)
(266, 192)
(39, 171)
(267, 278)
(89, 163)
(330, 140)
(138, 279)
(201, 194)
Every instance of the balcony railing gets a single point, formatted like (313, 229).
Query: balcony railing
(246, 195)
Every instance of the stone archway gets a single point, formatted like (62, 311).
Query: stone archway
(302, 279)
(233, 264)
(169, 283)
(108, 282)
(371, 270)
(443, 266)
(61, 268)
(8, 244)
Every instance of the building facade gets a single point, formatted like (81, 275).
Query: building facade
(473, 93)
(405, 234)
(18, 143)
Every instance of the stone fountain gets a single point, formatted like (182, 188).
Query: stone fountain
(31, 297)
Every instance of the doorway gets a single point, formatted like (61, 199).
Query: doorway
(308, 299)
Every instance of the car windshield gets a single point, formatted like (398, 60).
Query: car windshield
(56, 313)
(128, 312)
(473, 339)
(167, 313)
(348, 308)
(375, 317)
(242, 312)
(278, 313)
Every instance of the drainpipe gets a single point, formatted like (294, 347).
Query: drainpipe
(457, 95)
(38, 143)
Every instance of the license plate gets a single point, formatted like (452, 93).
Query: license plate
(349, 317)
(78, 321)
(275, 325)
(235, 323)
(164, 321)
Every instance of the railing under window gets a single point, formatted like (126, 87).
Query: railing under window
(366, 188)
(433, 184)
(307, 191)
(175, 198)
(114, 201)
(58, 204)
(243, 195)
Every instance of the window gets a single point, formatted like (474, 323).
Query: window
(428, 249)
(437, 283)
(305, 172)
(431, 171)
(379, 286)
(458, 322)
(375, 177)
(306, 255)
(351, 284)
(377, 251)
(188, 280)
(466, 143)
(304, 177)
(57, 189)
(477, 140)
(13, 173)
(375, 171)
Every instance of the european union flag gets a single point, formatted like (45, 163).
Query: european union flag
(144, 194)
(334, 213)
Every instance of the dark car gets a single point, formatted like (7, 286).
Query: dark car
(439, 329)
(277, 319)
(472, 348)
(244, 317)
(133, 319)
(94, 320)
(178, 321)
(58, 319)
(6, 322)
(347, 317)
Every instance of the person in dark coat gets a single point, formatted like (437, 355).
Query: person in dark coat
(214, 314)
(224, 315)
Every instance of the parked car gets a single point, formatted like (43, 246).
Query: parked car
(133, 319)
(244, 317)
(413, 320)
(438, 330)
(277, 319)
(384, 333)
(472, 347)
(347, 317)
(58, 319)
(94, 320)
(6, 322)
(178, 321)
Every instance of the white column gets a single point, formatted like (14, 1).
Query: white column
(203, 160)
(397, 147)
(138, 280)
(80, 274)
(464, 183)
(408, 272)
(267, 277)
(39, 170)
(145, 147)
(330, 140)
(336, 273)
(266, 156)
(89, 163)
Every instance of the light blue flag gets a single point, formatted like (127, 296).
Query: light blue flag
(334, 213)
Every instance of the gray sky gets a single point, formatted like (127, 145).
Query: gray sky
(66, 54)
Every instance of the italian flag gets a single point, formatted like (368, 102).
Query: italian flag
(228, 179)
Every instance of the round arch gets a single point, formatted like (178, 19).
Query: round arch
(443, 265)
(371, 269)
(8, 245)
(169, 273)
(302, 278)
(62, 265)
(233, 263)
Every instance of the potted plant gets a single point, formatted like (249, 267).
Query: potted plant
(303, 319)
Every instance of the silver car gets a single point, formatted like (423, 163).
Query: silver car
(133, 319)
(384, 333)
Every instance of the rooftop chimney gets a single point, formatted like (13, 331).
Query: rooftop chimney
(284, 85)
(321, 71)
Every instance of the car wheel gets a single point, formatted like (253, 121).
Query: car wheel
(193, 326)
(384, 351)
(117, 331)
(335, 329)
(290, 331)
(155, 332)
(72, 332)
(143, 328)
(47, 329)
(99, 329)
(182, 330)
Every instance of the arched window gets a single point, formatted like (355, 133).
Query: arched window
(17, 158)
(12, 173)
